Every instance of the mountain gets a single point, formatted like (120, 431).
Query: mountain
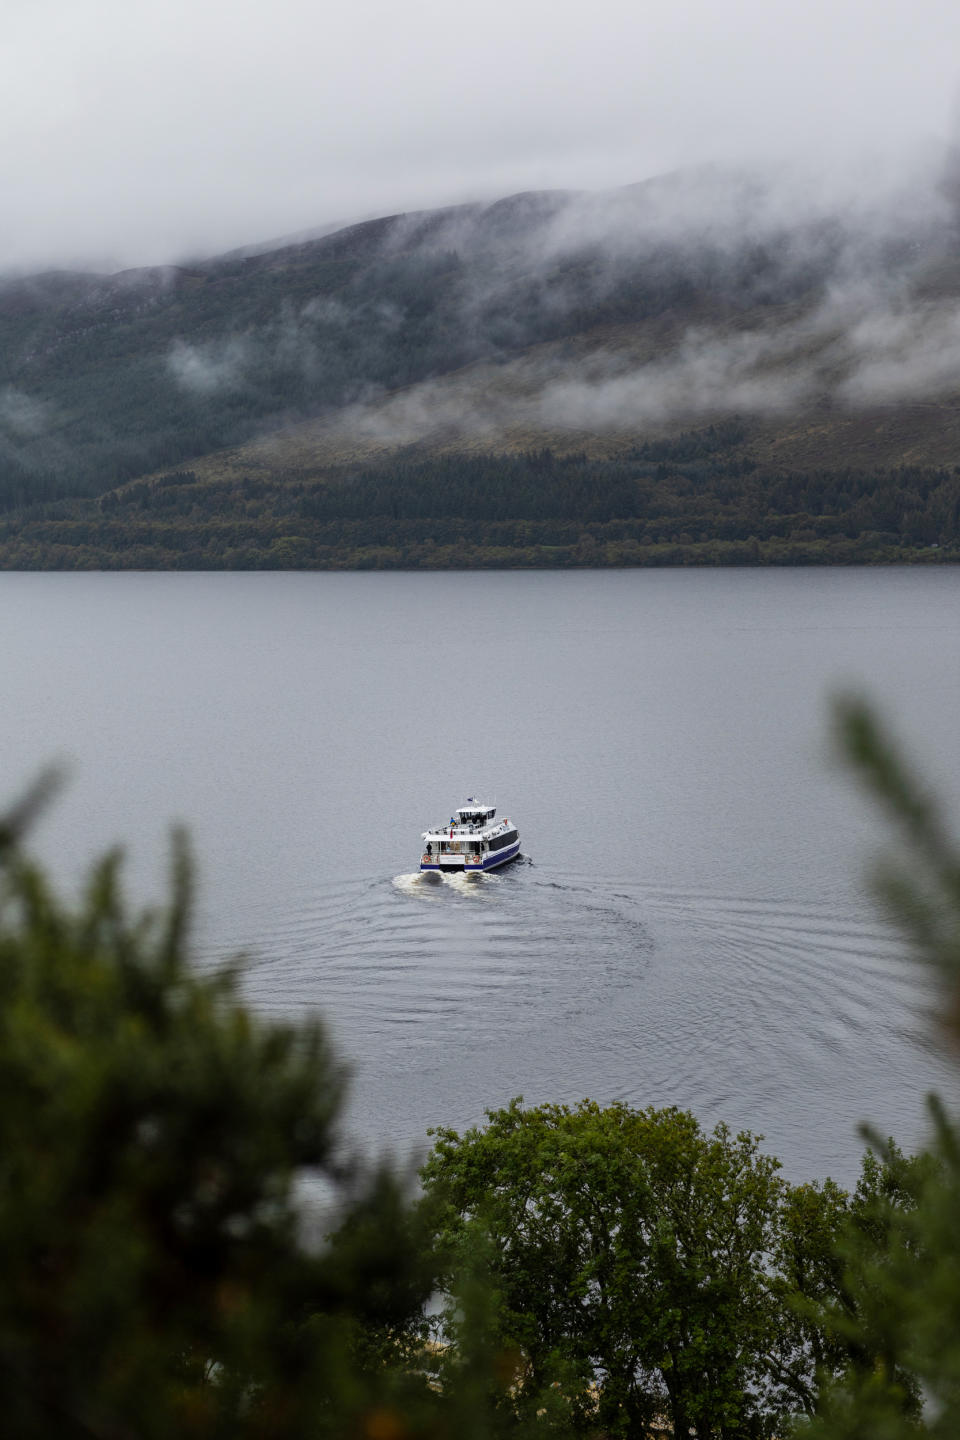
(708, 366)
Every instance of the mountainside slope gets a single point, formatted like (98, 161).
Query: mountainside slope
(692, 349)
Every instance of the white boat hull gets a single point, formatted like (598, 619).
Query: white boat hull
(467, 864)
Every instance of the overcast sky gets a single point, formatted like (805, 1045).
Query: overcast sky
(137, 133)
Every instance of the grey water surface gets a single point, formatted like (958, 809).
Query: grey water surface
(689, 924)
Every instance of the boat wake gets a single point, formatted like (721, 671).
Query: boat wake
(430, 884)
(421, 882)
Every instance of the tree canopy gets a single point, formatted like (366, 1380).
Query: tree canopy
(634, 1261)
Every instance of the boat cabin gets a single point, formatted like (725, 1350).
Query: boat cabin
(475, 814)
(473, 839)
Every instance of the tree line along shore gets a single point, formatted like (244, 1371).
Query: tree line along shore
(696, 499)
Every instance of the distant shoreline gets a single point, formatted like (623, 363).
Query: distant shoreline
(714, 556)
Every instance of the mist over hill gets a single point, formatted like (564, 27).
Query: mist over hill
(813, 331)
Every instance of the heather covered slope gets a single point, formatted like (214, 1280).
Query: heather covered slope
(697, 363)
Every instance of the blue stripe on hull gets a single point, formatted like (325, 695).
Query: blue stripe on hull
(492, 862)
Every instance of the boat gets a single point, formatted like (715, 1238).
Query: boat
(473, 841)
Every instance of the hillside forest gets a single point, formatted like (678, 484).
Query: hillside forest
(554, 379)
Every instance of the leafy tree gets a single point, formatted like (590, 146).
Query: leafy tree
(807, 1285)
(626, 1251)
(827, 1326)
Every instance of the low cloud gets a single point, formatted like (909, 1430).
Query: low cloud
(911, 353)
(855, 351)
(797, 287)
(709, 375)
(292, 343)
(208, 369)
(21, 415)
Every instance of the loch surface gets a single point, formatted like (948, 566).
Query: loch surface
(689, 924)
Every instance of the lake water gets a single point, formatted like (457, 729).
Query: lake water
(689, 925)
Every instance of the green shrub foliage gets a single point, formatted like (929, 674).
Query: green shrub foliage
(155, 1275)
(901, 1270)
